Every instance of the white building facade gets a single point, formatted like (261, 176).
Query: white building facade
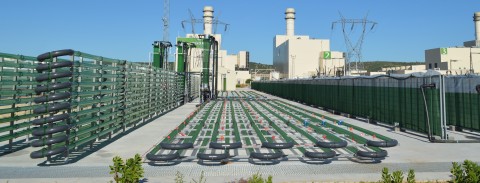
(299, 56)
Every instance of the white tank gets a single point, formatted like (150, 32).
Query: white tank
(207, 19)
(290, 20)
(476, 20)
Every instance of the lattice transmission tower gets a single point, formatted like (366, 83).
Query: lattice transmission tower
(353, 58)
(166, 19)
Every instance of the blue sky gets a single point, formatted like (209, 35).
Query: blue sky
(125, 29)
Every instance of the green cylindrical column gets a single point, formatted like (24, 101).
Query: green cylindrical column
(181, 58)
(157, 55)
(206, 61)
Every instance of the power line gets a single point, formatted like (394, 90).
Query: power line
(354, 49)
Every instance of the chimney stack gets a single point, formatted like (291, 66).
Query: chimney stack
(290, 19)
(207, 19)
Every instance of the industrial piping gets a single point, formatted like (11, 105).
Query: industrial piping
(50, 125)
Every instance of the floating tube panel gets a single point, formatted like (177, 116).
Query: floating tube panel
(213, 157)
(50, 119)
(56, 86)
(271, 145)
(42, 153)
(51, 108)
(45, 131)
(54, 140)
(43, 67)
(56, 75)
(52, 97)
(389, 143)
(339, 144)
(235, 145)
(266, 156)
(368, 154)
(52, 54)
(162, 157)
(176, 146)
(320, 155)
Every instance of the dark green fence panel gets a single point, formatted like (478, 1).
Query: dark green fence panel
(462, 101)
(383, 99)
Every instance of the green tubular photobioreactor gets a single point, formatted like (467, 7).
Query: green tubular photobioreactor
(70, 99)
(17, 82)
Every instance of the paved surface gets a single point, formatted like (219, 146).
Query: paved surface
(430, 161)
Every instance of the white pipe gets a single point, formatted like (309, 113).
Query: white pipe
(290, 20)
(207, 19)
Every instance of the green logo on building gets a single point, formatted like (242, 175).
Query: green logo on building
(327, 55)
(443, 51)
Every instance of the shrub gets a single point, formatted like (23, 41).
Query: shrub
(127, 172)
(396, 176)
(411, 176)
(202, 179)
(179, 177)
(257, 178)
(466, 172)
(386, 178)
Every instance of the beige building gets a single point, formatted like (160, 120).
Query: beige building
(243, 58)
(408, 69)
(242, 69)
(453, 60)
(332, 63)
(457, 60)
(226, 79)
(242, 76)
(376, 73)
(299, 56)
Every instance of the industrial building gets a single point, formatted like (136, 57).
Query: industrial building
(242, 68)
(458, 60)
(299, 56)
(230, 67)
(408, 69)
